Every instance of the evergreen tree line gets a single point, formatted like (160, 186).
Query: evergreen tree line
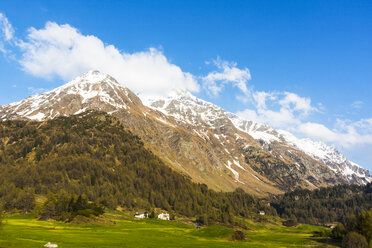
(325, 205)
(93, 155)
(355, 232)
(62, 206)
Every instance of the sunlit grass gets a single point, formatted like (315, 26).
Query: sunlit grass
(25, 231)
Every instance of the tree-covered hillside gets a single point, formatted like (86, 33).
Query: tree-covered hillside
(93, 154)
(325, 205)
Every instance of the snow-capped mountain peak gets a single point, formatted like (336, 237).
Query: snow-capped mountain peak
(257, 130)
(72, 98)
(187, 108)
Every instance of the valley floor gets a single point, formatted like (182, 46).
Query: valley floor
(25, 231)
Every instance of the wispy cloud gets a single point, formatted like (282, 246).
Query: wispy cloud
(357, 104)
(228, 73)
(35, 91)
(6, 34)
(278, 109)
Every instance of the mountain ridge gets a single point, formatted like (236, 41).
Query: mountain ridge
(336, 161)
(208, 145)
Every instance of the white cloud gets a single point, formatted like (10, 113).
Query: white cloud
(344, 135)
(294, 102)
(61, 50)
(278, 109)
(260, 98)
(7, 32)
(282, 118)
(35, 91)
(228, 72)
(288, 111)
(357, 104)
(6, 27)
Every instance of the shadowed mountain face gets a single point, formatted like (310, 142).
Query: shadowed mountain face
(195, 137)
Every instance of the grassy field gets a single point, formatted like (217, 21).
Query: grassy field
(25, 231)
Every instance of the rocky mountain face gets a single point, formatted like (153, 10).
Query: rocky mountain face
(308, 155)
(335, 160)
(196, 138)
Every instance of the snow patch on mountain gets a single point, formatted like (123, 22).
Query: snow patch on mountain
(187, 108)
(236, 174)
(256, 130)
(335, 160)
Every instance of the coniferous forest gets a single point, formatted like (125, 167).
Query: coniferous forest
(94, 157)
(325, 205)
(86, 162)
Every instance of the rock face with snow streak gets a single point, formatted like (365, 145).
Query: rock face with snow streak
(265, 151)
(196, 138)
(335, 160)
(281, 145)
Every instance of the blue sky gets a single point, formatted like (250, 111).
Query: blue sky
(302, 66)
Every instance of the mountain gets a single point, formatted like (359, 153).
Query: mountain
(185, 107)
(194, 137)
(177, 144)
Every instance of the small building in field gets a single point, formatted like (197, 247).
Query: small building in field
(50, 245)
(141, 215)
(262, 212)
(163, 216)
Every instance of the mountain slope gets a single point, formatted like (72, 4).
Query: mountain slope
(268, 153)
(336, 161)
(177, 144)
(185, 107)
(196, 138)
(93, 154)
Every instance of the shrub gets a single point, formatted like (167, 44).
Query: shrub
(202, 220)
(338, 232)
(152, 215)
(239, 235)
(290, 223)
(354, 240)
(1, 214)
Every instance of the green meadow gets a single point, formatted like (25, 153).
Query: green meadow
(121, 230)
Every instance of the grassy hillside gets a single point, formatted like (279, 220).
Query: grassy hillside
(26, 232)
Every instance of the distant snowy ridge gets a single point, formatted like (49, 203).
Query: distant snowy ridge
(185, 107)
(335, 160)
(256, 130)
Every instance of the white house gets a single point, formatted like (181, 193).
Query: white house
(141, 215)
(163, 216)
(262, 212)
(50, 245)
